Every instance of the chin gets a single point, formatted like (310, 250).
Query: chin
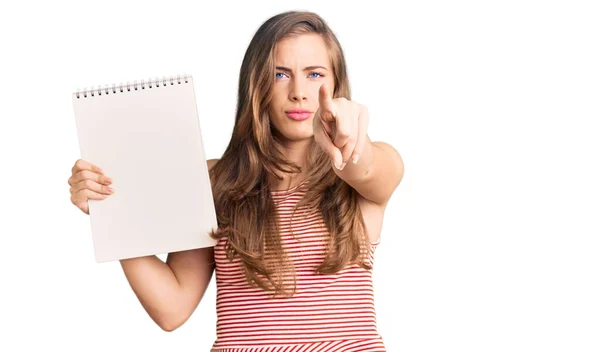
(297, 135)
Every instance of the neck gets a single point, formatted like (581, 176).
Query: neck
(296, 152)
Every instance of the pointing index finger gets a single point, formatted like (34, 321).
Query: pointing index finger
(325, 100)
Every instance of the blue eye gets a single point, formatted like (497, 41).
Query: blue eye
(277, 75)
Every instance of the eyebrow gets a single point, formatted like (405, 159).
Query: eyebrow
(305, 69)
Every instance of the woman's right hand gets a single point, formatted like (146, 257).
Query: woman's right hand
(88, 182)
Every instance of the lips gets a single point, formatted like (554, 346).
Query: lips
(298, 114)
(298, 111)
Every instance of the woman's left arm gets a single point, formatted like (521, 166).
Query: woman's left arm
(340, 128)
(377, 172)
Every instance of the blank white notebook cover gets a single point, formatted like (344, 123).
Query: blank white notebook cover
(146, 136)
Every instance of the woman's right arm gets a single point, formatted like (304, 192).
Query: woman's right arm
(169, 292)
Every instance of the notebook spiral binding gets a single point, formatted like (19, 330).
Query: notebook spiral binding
(122, 88)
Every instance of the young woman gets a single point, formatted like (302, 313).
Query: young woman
(300, 194)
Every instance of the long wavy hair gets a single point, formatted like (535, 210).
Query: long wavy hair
(246, 212)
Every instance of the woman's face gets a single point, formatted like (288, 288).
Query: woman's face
(302, 66)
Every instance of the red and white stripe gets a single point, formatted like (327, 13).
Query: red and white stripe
(333, 312)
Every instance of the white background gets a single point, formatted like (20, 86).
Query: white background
(490, 243)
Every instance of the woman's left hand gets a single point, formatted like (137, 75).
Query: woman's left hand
(340, 127)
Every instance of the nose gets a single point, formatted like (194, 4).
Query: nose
(297, 91)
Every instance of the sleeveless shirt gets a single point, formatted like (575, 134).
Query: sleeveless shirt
(328, 312)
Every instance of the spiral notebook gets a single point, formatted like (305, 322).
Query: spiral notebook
(146, 136)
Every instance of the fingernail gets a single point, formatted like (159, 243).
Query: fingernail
(355, 158)
(110, 190)
(342, 167)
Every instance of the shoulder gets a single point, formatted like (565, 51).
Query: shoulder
(372, 214)
(211, 162)
(371, 208)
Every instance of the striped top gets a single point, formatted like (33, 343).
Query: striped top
(328, 312)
